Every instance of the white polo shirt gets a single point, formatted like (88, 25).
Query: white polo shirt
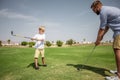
(39, 44)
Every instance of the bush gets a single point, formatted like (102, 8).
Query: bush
(59, 43)
(8, 41)
(31, 44)
(24, 43)
(69, 42)
(48, 43)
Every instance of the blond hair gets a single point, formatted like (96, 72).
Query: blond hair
(96, 3)
(42, 28)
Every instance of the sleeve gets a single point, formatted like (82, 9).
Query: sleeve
(103, 21)
(44, 36)
(35, 36)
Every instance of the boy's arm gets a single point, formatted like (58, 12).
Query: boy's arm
(35, 38)
(101, 34)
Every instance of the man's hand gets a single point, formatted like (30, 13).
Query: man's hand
(100, 35)
(97, 43)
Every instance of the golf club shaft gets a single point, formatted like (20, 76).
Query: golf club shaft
(88, 57)
(22, 36)
(19, 35)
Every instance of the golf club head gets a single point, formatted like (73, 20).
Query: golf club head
(19, 35)
(79, 69)
(11, 32)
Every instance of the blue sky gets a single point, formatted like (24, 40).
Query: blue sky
(64, 19)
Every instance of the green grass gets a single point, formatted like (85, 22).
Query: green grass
(16, 63)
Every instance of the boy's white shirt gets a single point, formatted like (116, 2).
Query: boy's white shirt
(39, 44)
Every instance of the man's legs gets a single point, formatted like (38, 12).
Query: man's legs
(117, 57)
(116, 47)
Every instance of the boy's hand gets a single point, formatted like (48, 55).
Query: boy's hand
(32, 39)
(37, 39)
(40, 39)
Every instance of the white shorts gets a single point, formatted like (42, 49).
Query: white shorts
(38, 52)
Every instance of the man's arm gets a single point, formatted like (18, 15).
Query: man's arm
(101, 34)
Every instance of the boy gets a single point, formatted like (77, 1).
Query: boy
(109, 18)
(39, 38)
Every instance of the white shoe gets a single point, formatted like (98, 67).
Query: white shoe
(112, 78)
(113, 72)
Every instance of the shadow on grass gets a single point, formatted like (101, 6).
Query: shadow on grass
(32, 65)
(97, 70)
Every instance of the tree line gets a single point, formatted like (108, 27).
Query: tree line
(59, 43)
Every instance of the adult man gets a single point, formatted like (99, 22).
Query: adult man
(109, 18)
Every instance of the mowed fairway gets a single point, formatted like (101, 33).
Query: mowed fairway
(17, 63)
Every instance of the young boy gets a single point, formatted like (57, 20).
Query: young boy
(39, 38)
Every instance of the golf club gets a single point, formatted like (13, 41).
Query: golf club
(80, 68)
(19, 35)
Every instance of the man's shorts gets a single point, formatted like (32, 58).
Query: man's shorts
(38, 52)
(116, 42)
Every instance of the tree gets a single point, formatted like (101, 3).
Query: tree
(24, 43)
(0, 43)
(31, 44)
(84, 40)
(69, 42)
(59, 43)
(8, 41)
(48, 43)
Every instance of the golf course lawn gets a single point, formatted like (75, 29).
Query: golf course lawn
(62, 63)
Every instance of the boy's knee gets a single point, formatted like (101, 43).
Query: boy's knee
(42, 57)
(35, 58)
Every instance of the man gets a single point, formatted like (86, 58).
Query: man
(109, 18)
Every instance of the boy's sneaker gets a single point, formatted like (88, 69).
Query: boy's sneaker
(112, 78)
(113, 72)
(36, 68)
(45, 65)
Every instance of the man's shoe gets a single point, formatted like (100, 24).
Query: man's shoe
(112, 78)
(113, 72)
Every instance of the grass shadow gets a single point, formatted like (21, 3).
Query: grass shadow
(32, 65)
(97, 70)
